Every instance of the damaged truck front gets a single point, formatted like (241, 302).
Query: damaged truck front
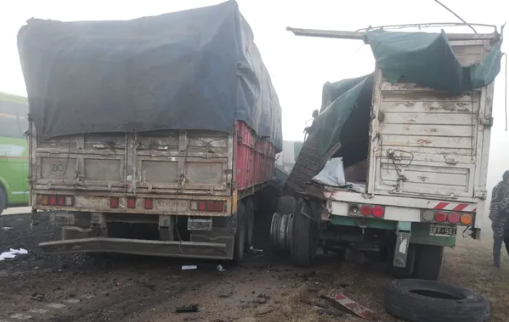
(153, 136)
(397, 160)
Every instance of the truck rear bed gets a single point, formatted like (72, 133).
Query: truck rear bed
(431, 143)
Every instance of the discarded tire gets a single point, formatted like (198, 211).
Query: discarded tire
(431, 301)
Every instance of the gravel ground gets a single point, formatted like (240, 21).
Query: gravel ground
(78, 288)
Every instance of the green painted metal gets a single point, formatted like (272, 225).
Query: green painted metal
(363, 222)
(404, 226)
(14, 148)
(420, 231)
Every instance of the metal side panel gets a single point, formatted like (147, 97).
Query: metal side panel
(162, 162)
(185, 161)
(88, 162)
(427, 142)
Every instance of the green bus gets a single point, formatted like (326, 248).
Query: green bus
(14, 189)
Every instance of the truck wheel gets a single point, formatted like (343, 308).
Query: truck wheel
(240, 234)
(3, 200)
(303, 249)
(429, 262)
(429, 301)
(250, 212)
(402, 272)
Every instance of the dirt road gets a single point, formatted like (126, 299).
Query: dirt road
(39, 287)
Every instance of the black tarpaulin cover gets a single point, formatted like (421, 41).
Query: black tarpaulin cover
(196, 69)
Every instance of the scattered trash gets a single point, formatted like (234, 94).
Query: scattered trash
(220, 268)
(12, 253)
(192, 308)
(255, 251)
(7, 228)
(329, 312)
(37, 297)
(265, 312)
(189, 267)
(342, 302)
(225, 295)
(318, 304)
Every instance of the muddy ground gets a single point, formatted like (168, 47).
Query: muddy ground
(41, 287)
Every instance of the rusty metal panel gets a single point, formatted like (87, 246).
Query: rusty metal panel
(164, 163)
(427, 142)
(306, 167)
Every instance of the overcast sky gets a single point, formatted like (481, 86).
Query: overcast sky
(298, 66)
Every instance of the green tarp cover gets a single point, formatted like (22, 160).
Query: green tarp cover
(422, 58)
(427, 59)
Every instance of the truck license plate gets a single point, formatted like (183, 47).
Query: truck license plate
(442, 230)
(171, 205)
(199, 224)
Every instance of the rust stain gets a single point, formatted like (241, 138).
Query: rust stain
(450, 106)
(423, 142)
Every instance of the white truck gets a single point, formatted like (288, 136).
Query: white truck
(414, 140)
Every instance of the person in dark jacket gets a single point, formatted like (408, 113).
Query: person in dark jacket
(499, 215)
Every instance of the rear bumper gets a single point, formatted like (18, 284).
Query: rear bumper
(184, 249)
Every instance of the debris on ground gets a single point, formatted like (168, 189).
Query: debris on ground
(342, 302)
(189, 267)
(192, 308)
(7, 228)
(220, 268)
(255, 250)
(329, 312)
(12, 253)
(37, 297)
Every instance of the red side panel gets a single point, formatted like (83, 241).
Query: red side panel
(254, 157)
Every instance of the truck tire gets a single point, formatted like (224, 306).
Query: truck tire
(429, 262)
(286, 205)
(430, 301)
(250, 213)
(240, 235)
(303, 249)
(3, 200)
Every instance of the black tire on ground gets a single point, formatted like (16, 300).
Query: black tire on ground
(285, 205)
(250, 213)
(3, 199)
(303, 249)
(431, 301)
(408, 270)
(240, 234)
(429, 260)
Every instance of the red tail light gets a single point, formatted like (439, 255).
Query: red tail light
(378, 211)
(366, 210)
(131, 203)
(453, 218)
(55, 200)
(148, 203)
(113, 202)
(440, 216)
(210, 206)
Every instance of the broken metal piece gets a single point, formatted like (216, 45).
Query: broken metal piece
(343, 302)
(192, 308)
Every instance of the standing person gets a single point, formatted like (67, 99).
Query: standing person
(499, 215)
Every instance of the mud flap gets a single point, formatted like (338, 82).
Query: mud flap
(402, 244)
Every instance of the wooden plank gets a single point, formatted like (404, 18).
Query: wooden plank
(446, 118)
(397, 93)
(428, 129)
(403, 141)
